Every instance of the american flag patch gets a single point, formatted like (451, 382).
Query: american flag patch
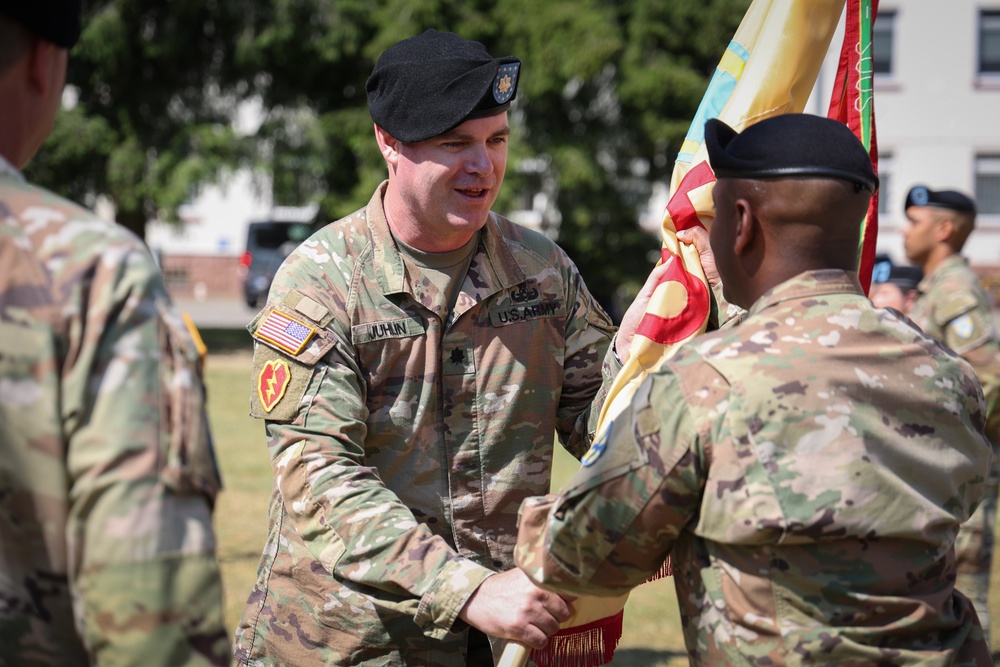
(288, 334)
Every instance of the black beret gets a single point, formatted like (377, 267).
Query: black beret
(56, 21)
(789, 145)
(426, 85)
(907, 277)
(921, 195)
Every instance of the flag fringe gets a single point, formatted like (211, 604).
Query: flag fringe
(666, 570)
(590, 645)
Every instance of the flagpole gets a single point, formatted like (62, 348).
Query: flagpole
(514, 655)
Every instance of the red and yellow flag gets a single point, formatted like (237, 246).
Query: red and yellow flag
(853, 103)
(769, 68)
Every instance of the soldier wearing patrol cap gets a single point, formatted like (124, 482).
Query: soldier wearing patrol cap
(412, 364)
(107, 474)
(952, 306)
(807, 469)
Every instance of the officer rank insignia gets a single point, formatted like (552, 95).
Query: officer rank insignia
(506, 82)
(284, 332)
(272, 383)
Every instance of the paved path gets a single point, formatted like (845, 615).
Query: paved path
(217, 313)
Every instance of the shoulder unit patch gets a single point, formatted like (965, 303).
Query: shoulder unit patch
(597, 448)
(272, 381)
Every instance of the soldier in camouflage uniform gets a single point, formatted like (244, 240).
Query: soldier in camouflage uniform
(806, 470)
(952, 306)
(413, 364)
(107, 477)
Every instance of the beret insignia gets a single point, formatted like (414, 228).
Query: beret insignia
(505, 82)
(919, 196)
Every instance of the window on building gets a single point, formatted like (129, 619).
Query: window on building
(885, 194)
(883, 35)
(988, 184)
(989, 42)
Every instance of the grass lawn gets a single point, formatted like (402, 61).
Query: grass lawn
(651, 637)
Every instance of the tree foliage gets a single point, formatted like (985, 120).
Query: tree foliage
(607, 93)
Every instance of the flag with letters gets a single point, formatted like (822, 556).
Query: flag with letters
(769, 68)
(853, 103)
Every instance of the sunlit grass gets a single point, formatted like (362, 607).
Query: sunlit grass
(651, 638)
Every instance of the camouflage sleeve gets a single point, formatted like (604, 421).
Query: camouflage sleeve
(351, 522)
(964, 322)
(142, 566)
(619, 517)
(985, 361)
(590, 365)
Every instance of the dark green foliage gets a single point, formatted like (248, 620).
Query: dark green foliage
(607, 93)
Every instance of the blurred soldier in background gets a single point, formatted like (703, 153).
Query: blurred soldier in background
(107, 474)
(894, 285)
(807, 469)
(413, 364)
(952, 306)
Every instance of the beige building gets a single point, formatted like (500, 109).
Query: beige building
(937, 111)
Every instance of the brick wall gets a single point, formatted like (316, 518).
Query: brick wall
(202, 277)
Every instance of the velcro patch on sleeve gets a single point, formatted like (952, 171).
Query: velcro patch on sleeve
(272, 381)
(284, 332)
(282, 329)
(278, 385)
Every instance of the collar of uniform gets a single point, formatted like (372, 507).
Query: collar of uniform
(9, 169)
(506, 271)
(949, 262)
(809, 283)
(389, 267)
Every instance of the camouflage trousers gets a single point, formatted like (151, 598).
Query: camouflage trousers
(974, 552)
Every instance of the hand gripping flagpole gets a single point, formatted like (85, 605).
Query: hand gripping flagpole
(768, 69)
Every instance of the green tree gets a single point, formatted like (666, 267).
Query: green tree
(155, 100)
(607, 93)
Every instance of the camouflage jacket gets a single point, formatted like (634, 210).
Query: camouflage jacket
(806, 471)
(403, 439)
(107, 476)
(953, 307)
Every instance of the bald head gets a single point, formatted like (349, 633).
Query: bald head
(814, 223)
(791, 194)
(767, 231)
(14, 43)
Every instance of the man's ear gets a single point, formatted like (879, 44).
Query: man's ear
(388, 145)
(744, 231)
(41, 59)
(944, 230)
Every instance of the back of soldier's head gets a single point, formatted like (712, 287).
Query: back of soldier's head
(808, 178)
(14, 42)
